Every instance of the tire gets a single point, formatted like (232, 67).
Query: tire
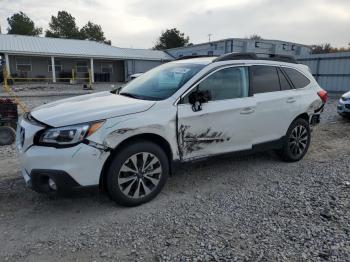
(132, 185)
(7, 135)
(297, 141)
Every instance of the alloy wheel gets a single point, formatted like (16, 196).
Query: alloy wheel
(298, 140)
(139, 175)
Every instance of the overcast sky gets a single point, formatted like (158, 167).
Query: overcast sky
(138, 23)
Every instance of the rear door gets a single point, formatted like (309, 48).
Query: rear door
(308, 99)
(225, 123)
(277, 103)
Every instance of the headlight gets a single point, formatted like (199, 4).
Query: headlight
(343, 98)
(68, 135)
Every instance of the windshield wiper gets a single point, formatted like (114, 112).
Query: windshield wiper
(116, 90)
(129, 95)
(138, 96)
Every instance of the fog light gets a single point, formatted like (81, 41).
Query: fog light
(52, 184)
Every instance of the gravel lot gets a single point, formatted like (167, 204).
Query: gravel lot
(252, 208)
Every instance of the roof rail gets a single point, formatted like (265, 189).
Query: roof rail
(254, 56)
(192, 56)
(236, 56)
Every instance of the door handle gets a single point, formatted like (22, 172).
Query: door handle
(291, 100)
(247, 110)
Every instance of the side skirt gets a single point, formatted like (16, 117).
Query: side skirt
(266, 146)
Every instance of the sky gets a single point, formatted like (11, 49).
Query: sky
(138, 23)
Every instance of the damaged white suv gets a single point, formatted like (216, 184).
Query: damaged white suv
(128, 141)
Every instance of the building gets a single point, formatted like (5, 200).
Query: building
(240, 45)
(33, 59)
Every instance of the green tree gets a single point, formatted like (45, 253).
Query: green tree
(21, 24)
(94, 32)
(171, 38)
(63, 26)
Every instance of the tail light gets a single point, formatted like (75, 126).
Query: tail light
(323, 95)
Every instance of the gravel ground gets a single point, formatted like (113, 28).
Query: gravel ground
(252, 208)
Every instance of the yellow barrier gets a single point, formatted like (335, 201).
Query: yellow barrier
(12, 94)
(73, 78)
(19, 102)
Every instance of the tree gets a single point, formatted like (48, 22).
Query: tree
(171, 38)
(255, 37)
(327, 48)
(321, 49)
(63, 26)
(21, 24)
(93, 32)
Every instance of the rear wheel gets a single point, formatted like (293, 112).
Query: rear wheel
(297, 141)
(137, 173)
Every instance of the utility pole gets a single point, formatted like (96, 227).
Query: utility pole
(209, 35)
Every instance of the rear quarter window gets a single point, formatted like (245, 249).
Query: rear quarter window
(297, 78)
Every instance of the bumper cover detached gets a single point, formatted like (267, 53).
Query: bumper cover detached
(315, 119)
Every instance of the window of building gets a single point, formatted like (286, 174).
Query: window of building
(297, 78)
(210, 53)
(58, 66)
(82, 67)
(23, 64)
(226, 83)
(264, 79)
(106, 68)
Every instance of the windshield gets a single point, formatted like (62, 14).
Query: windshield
(161, 82)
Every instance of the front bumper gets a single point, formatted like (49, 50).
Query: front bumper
(343, 107)
(38, 180)
(80, 165)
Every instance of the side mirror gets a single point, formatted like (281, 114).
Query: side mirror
(197, 98)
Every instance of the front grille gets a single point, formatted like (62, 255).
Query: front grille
(347, 106)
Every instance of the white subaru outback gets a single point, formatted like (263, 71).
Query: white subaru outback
(128, 141)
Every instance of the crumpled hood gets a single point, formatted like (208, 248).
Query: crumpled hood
(87, 108)
(347, 95)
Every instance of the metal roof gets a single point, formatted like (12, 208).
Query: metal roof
(31, 45)
(272, 41)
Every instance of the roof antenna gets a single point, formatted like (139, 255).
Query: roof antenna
(209, 35)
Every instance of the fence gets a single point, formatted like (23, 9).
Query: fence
(72, 78)
(332, 71)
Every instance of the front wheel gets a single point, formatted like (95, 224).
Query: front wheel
(297, 141)
(137, 173)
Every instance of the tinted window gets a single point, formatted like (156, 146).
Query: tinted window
(264, 79)
(283, 81)
(227, 83)
(297, 78)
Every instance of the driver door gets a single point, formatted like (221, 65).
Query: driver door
(222, 124)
